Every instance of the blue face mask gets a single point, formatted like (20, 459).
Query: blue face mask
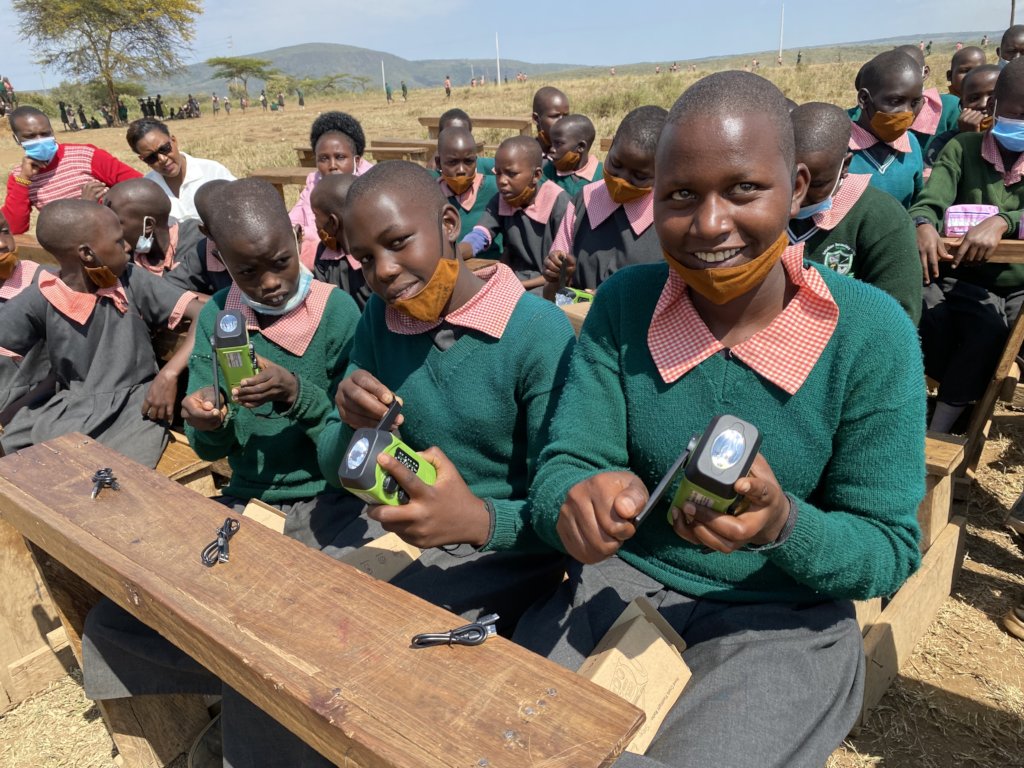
(305, 282)
(808, 211)
(1009, 133)
(42, 150)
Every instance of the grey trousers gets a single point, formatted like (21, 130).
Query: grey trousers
(773, 684)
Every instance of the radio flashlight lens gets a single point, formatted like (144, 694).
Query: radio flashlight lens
(357, 455)
(727, 449)
(228, 324)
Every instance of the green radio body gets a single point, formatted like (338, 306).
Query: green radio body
(234, 353)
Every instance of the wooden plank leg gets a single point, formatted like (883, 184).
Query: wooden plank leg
(148, 731)
(934, 511)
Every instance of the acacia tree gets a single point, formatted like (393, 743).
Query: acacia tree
(109, 40)
(241, 67)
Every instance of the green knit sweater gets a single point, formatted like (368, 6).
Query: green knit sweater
(849, 445)
(485, 402)
(571, 183)
(273, 456)
(962, 176)
(874, 242)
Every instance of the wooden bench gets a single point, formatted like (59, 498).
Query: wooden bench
(304, 155)
(524, 125)
(29, 248)
(412, 154)
(279, 177)
(325, 651)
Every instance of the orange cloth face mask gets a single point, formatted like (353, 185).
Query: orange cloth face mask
(428, 304)
(523, 198)
(570, 161)
(102, 277)
(621, 191)
(987, 122)
(889, 126)
(8, 261)
(459, 185)
(724, 284)
(327, 239)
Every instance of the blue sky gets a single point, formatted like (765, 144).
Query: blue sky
(663, 31)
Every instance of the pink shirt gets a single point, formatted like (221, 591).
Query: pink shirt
(302, 213)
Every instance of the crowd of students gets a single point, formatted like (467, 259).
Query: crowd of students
(720, 240)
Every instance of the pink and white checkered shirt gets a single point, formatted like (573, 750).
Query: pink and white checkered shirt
(540, 207)
(990, 152)
(488, 311)
(213, 260)
(20, 279)
(78, 307)
(862, 139)
(784, 352)
(294, 331)
(927, 120)
(588, 171)
(599, 206)
(330, 254)
(849, 193)
(168, 263)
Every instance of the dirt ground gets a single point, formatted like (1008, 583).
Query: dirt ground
(958, 703)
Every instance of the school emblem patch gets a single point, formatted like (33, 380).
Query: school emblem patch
(839, 258)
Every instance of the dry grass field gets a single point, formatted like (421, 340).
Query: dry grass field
(960, 700)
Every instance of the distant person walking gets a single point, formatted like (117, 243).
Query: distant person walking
(280, 101)
(216, 105)
(9, 95)
(405, 91)
(387, 92)
(447, 88)
(263, 99)
(159, 106)
(928, 49)
(302, 99)
(799, 58)
(64, 115)
(81, 116)
(984, 41)
(227, 107)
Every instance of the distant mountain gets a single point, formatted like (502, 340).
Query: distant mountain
(319, 59)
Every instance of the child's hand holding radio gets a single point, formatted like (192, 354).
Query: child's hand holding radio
(595, 519)
(200, 410)
(272, 384)
(761, 522)
(362, 401)
(446, 512)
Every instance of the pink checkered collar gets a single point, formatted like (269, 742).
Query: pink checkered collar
(20, 279)
(784, 352)
(294, 331)
(588, 171)
(329, 254)
(599, 205)
(990, 152)
(214, 263)
(927, 120)
(863, 139)
(489, 311)
(468, 198)
(539, 209)
(849, 193)
(78, 306)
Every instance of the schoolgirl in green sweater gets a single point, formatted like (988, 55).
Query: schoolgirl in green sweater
(736, 323)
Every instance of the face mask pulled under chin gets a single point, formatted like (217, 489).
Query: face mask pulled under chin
(822, 206)
(144, 243)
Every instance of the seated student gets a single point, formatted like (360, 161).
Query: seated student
(201, 268)
(572, 166)
(736, 323)
(968, 304)
(96, 317)
(977, 88)
(1011, 45)
(333, 264)
(526, 211)
(889, 96)
(338, 143)
(462, 181)
(937, 114)
(963, 61)
(154, 238)
(608, 225)
(51, 172)
(846, 224)
(302, 331)
(549, 106)
(22, 379)
(457, 118)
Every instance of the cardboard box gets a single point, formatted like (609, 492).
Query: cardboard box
(640, 660)
(383, 558)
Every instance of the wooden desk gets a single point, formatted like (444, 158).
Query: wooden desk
(524, 125)
(411, 153)
(325, 650)
(1008, 252)
(281, 176)
(29, 248)
(304, 154)
(476, 264)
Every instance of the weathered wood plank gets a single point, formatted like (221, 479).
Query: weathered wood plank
(316, 644)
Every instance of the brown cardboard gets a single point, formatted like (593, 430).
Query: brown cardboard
(264, 514)
(636, 661)
(383, 558)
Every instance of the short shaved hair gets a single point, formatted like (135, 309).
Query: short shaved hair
(141, 195)
(249, 209)
(205, 199)
(64, 225)
(820, 127)
(891, 62)
(524, 145)
(1011, 80)
(450, 136)
(25, 111)
(411, 181)
(578, 125)
(331, 191)
(545, 95)
(913, 52)
(734, 92)
(642, 128)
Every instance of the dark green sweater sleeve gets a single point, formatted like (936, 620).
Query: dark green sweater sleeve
(890, 258)
(941, 190)
(582, 445)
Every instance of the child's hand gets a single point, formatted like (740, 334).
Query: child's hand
(160, 397)
(198, 410)
(594, 520)
(553, 266)
(272, 384)
(93, 191)
(760, 523)
(970, 121)
(362, 401)
(980, 241)
(444, 513)
(930, 246)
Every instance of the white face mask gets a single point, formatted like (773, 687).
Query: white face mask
(301, 291)
(145, 242)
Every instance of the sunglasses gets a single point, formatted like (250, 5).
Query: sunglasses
(152, 157)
